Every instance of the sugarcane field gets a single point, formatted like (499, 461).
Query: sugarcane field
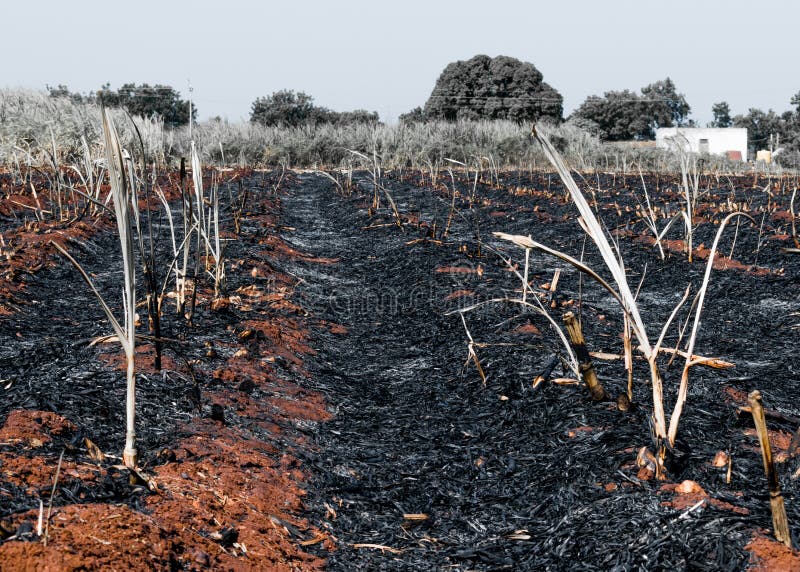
(508, 329)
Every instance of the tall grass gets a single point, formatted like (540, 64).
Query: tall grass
(34, 123)
(30, 121)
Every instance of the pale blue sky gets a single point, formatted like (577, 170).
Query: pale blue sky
(386, 56)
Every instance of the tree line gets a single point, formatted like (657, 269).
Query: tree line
(144, 100)
(485, 88)
(507, 88)
(284, 108)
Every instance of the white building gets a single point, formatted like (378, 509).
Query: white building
(715, 141)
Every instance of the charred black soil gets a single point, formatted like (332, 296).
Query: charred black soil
(321, 410)
(217, 426)
(422, 466)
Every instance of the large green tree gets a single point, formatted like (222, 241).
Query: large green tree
(493, 88)
(617, 115)
(761, 125)
(666, 107)
(781, 130)
(796, 102)
(722, 115)
(621, 115)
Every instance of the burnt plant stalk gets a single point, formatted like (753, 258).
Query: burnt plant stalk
(780, 523)
(208, 227)
(664, 437)
(180, 269)
(197, 179)
(147, 254)
(578, 342)
(124, 203)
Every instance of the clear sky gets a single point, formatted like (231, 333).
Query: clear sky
(386, 56)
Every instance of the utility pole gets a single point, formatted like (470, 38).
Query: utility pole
(191, 108)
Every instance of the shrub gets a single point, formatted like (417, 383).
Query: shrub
(148, 101)
(287, 108)
(161, 101)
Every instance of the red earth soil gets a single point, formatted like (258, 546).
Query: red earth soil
(225, 499)
(768, 555)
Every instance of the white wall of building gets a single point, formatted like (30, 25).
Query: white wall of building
(719, 140)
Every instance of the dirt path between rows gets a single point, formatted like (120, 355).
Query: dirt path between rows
(423, 467)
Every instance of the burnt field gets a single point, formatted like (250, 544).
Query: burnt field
(328, 406)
